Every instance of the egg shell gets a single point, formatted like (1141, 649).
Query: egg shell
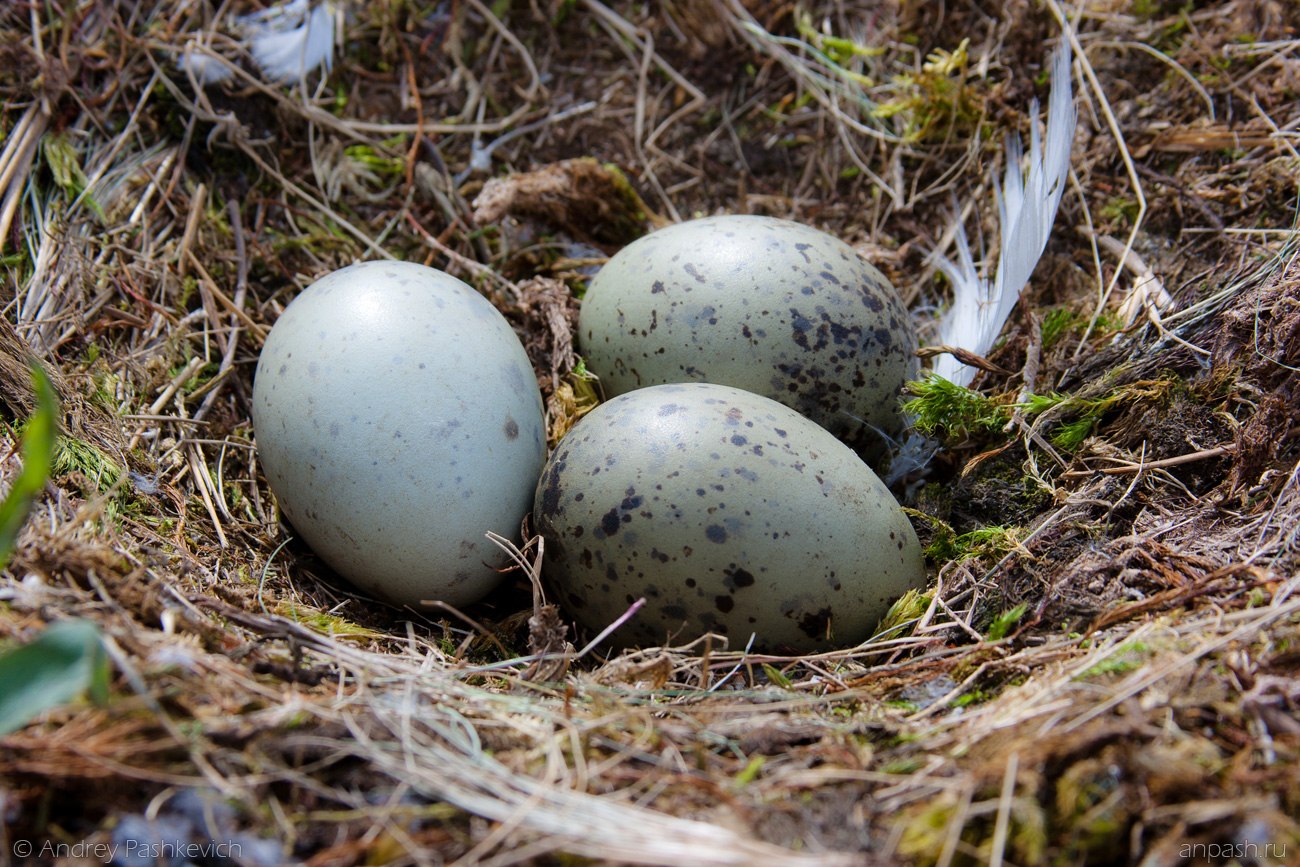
(728, 512)
(774, 307)
(398, 420)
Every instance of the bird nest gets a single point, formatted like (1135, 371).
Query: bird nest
(1104, 666)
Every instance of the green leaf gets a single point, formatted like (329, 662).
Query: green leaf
(38, 453)
(749, 773)
(66, 660)
(1003, 623)
(776, 676)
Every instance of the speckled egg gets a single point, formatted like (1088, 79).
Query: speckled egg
(398, 420)
(728, 512)
(770, 306)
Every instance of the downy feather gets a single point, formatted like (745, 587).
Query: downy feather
(1027, 204)
(204, 64)
(290, 40)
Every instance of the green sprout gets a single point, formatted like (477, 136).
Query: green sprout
(750, 772)
(905, 611)
(1002, 625)
(61, 157)
(837, 52)
(776, 676)
(369, 160)
(978, 696)
(38, 455)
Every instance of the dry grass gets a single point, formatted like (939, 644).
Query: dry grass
(1145, 700)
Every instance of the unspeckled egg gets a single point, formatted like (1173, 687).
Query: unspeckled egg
(767, 305)
(728, 512)
(398, 421)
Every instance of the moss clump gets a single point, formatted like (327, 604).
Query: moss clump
(926, 830)
(940, 407)
(997, 493)
(937, 103)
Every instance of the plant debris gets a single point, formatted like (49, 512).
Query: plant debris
(1104, 668)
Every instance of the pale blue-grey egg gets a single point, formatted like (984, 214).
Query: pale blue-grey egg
(398, 420)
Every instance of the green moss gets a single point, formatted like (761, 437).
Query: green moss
(18, 261)
(1145, 9)
(1119, 211)
(902, 766)
(201, 378)
(835, 49)
(1077, 417)
(1070, 436)
(324, 623)
(947, 544)
(96, 474)
(320, 238)
(905, 611)
(189, 285)
(976, 696)
(926, 830)
(1127, 657)
(937, 102)
(839, 55)
(61, 156)
(632, 217)
(1056, 324)
(942, 407)
(72, 455)
(1090, 806)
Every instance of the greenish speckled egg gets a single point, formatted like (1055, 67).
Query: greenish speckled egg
(398, 421)
(774, 307)
(728, 512)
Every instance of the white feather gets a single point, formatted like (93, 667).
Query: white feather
(1027, 206)
(290, 40)
(204, 64)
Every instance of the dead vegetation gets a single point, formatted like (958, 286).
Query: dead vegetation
(1106, 668)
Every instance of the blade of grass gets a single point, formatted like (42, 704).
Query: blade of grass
(38, 454)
